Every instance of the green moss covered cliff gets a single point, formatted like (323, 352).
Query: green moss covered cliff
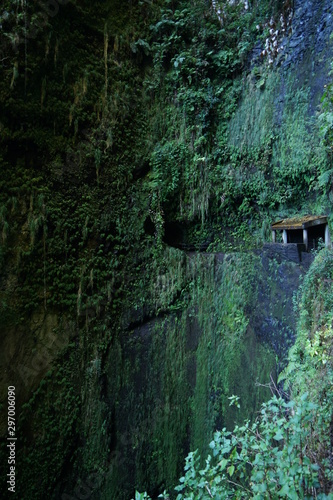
(146, 146)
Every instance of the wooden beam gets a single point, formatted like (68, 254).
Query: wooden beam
(274, 236)
(284, 237)
(317, 222)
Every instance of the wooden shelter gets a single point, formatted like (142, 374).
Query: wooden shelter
(306, 230)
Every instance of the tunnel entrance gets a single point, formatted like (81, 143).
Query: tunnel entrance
(188, 236)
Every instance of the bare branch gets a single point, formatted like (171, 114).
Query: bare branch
(209, 492)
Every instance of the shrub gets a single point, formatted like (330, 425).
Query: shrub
(270, 458)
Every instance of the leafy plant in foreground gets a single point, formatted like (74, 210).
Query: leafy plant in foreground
(270, 458)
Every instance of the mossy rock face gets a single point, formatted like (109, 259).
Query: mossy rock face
(125, 127)
(170, 379)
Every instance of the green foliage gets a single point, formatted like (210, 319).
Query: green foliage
(190, 360)
(310, 359)
(326, 128)
(114, 113)
(298, 156)
(271, 458)
(196, 61)
(60, 411)
(286, 451)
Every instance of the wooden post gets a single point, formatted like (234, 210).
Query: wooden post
(327, 237)
(284, 237)
(274, 236)
(305, 238)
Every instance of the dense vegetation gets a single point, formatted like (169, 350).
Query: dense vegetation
(127, 127)
(287, 451)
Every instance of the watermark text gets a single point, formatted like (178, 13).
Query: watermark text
(11, 444)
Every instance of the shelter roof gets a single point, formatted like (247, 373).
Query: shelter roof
(300, 222)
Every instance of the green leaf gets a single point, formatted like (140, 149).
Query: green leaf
(278, 436)
(223, 463)
(231, 470)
